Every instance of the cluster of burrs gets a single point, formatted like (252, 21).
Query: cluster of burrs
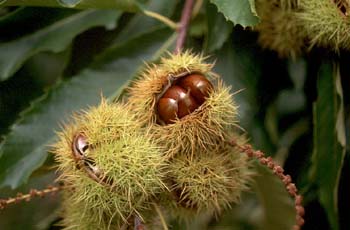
(162, 154)
(293, 26)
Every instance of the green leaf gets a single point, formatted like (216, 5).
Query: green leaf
(290, 101)
(277, 205)
(218, 29)
(329, 139)
(37, 74)
(25, 148)
(252, 7)
(69, 3)
(28, 20)
(126, 5)
(237, 11)
(267, 206)
(141, 23)
(55, 38)
(198, 27)
(297, 70)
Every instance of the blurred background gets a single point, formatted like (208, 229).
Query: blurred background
(54, 61)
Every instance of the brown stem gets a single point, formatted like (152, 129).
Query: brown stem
(278, 171)
(185, 20)
(27, 197)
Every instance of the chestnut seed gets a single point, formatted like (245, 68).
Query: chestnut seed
(198, 85)
(186, 103)
(175, 92)
(184, 97)
(167, 109)
(80, 146)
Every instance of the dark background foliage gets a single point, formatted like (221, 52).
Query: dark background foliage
(54, 61)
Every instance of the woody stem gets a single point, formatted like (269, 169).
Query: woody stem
(27, 197)
(183, 27)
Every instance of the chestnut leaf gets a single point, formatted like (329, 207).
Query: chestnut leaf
(126, 5)
(22, 152)
(329, 139)
(54, 37)
(238, 11)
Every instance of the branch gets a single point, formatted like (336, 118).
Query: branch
(185, 20)
(27, 197)
(279, 172)
(161, 18)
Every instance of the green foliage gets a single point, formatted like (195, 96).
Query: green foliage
(126, 5)
(218, 29)
(266, 184)
(61, 59)
(54, 37)
(238, 11)
(329, 150)
(46, 113)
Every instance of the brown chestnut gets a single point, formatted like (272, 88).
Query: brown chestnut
(186, 103)
(80, 146)
(184, 97)
(198, 85)
(167, 109)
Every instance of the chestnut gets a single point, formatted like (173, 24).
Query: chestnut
(80, 146)
(182, 98)
(167, 109)
(199, 86)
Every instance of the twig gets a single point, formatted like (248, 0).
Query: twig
(278, 171)
(27, 197)
(161, 18)
(185, 20)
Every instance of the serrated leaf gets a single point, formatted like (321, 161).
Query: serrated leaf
(25, 148)
(126, 5)
(237, 11)
(329, 139)
(38, 73)
(55, 38)
(218, 29)
(252, 7)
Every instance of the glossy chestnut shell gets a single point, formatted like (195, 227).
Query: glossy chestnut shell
(80, 147)
(183, 97)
